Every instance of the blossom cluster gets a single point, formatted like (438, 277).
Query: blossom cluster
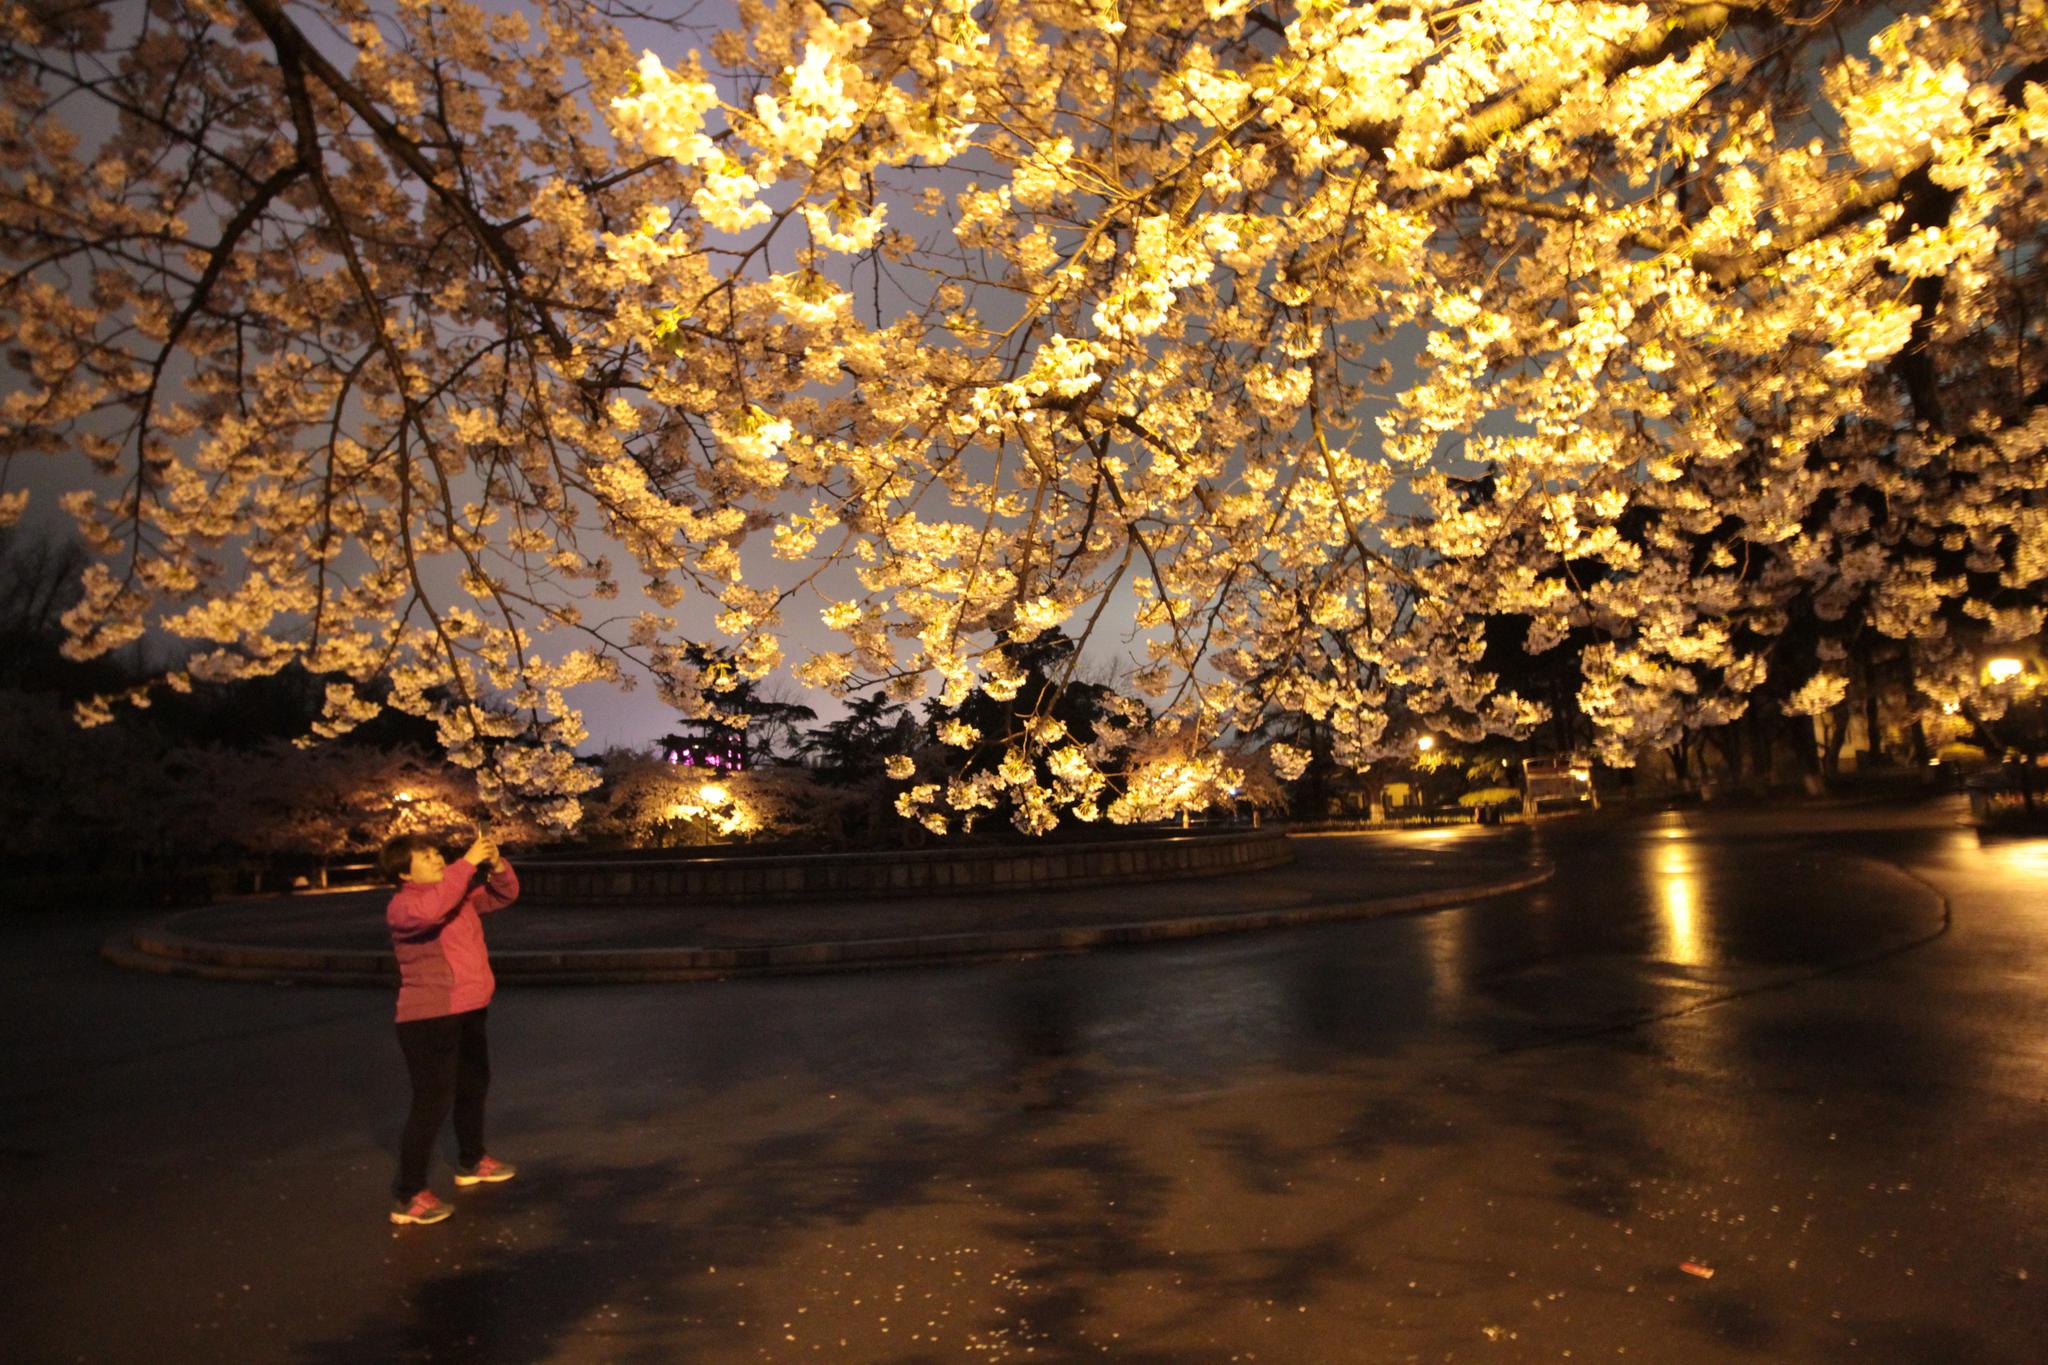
(1354, 370)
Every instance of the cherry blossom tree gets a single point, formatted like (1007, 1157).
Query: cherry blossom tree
(341, 336)
(646, 802)
(330, 801)
(1295, 341)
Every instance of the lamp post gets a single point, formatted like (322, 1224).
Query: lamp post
(2015, 679)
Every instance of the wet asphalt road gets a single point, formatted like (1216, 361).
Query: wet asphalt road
(1807, 1051)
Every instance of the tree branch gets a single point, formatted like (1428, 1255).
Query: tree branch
(1507, 112)
(293, 46)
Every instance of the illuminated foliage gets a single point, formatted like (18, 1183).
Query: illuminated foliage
(1297, 341)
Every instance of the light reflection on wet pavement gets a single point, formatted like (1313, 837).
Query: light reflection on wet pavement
(1802, 1050)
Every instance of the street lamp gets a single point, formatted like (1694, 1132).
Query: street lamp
(1426, 743)
(2003, 669)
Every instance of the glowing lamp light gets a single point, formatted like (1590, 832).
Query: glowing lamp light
(2003, 669)
(1426, 743)
(404, 798)
(712, 794)
(1949, 708)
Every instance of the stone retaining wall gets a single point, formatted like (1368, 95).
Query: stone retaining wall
(934, 872)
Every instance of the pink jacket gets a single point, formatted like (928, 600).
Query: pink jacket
(443, 967)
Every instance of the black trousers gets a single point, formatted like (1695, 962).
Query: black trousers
(449, 1058)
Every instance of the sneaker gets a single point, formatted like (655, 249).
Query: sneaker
(490, 1170)
(426, 1207)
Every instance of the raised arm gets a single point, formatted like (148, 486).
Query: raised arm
(422, 907)
(500, 889)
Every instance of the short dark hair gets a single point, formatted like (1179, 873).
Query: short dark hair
(394, 860)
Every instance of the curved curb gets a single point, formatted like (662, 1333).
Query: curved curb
(903, 874)
(159, 950)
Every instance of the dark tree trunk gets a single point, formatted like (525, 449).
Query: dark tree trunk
(1727, 741)
(1835, 737)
